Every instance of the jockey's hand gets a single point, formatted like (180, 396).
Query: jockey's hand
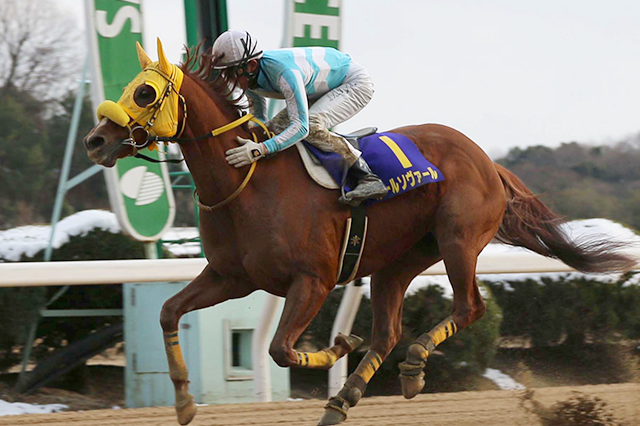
(247, 153)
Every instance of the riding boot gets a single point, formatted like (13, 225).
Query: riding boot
(368, 184)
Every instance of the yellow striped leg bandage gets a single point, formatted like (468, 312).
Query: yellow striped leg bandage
(437, 335)
(357, 382)
(323, 359)
(368, 366)
(177, 366)
(443, 331)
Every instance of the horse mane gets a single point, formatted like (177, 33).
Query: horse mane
(200, 68)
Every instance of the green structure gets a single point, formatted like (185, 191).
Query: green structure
(139, 191)
(205, 19)
(313, 23)
(310, 23)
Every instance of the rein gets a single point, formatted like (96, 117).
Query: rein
(213, 133)
(139, 137)
(219, 131)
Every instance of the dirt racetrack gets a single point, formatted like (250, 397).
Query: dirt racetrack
(488, 408)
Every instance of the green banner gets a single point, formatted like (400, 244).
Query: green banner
(205, 21)
(310, 23)
(314, 23)
(140, 192)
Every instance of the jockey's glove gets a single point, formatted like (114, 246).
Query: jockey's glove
(247, 153)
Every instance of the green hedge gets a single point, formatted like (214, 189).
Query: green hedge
(19, 306)
(467, 353)
(569, 309)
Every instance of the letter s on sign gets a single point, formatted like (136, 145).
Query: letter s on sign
(113, 29)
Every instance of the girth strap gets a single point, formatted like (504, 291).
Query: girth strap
(353, 245)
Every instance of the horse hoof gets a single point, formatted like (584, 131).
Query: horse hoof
(335, 412)
(350, 342)
(412, 385)
(186, 412)
(331, 416)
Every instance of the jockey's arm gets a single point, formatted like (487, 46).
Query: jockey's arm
(292, 88)
(258, 106)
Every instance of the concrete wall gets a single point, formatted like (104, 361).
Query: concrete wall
(206, 338)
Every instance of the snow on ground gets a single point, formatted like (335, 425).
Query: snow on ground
(11, 409)
(29, 240)
(503, 381)
(185, 249)
(577, 229)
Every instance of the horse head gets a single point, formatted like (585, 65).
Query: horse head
(148, 106)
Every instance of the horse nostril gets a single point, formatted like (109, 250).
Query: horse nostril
(94, 142)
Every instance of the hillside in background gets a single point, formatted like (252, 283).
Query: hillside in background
(583, 181)
(578, 181)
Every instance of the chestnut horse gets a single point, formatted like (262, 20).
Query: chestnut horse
(282, 233)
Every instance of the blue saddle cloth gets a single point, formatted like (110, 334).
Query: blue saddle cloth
(393, 157)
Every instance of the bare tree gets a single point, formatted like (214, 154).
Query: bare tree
(38, 48)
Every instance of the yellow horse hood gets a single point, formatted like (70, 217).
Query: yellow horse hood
(160, 115)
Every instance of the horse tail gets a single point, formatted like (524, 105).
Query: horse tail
(529, 223)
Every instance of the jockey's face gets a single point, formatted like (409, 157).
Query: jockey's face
(242, 78)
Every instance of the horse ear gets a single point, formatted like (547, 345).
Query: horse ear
(165, 65)
(142, 56)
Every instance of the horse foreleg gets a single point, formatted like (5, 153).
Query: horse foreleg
(185, 404)
(468, 307)
(304, 299)
(387, 296)
(208, 289)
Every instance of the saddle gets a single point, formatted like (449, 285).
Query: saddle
(314, 167)
(392, 156)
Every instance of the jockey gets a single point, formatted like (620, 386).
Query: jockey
(321, 87)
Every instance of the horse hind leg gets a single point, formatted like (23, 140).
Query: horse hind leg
(411, 370)
(460, 260)
(387, 296)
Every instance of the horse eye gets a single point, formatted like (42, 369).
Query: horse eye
(144, 95)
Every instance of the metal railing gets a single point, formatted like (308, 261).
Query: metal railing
(32, 274)
(171, 270)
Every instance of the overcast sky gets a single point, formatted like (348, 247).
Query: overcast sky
(506, 73)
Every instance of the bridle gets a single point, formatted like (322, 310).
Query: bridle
(145, 137)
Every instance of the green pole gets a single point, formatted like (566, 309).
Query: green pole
(66, 163)
(223, 24)
(55, 216)
(191, 21)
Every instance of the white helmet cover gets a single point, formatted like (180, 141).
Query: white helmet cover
(235, 48)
